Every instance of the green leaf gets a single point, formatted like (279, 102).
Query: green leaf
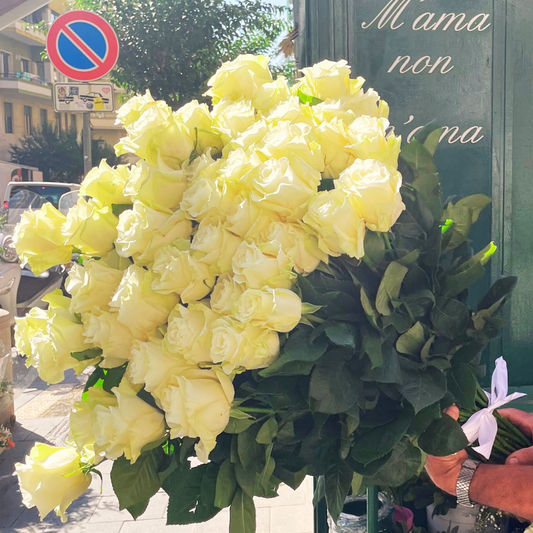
(449, 317)
(226, 485)
(424, 418)
(372, 347)
(388, 371)
(118, 209)
(379, 441)
(420, 387)
(417, 156)
(369, 309)
(334, 386)
(134, 484)
(237, 425)
(242, 513)
(292, 479)
(443, 437)
(432, 141)
(389, 288)
(500, 290)
(308, 99)
(412, 341)
(91, 353)
(357, 483)
(463, 384)
(454, 284)
(341, 334)
(404, 464)
(337, 484)
(250, 452)
(371, 468)
(267, 432)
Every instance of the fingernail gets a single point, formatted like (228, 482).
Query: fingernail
(513, 461)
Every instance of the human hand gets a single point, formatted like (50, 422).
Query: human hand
(444, 471)
(524, 422)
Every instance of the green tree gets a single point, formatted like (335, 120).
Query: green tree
(58, 155)
(172, 47)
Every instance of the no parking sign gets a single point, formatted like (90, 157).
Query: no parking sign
(82, 45)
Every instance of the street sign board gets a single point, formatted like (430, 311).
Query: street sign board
(83, 97)
(82, 46)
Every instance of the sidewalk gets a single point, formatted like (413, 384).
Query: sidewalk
(42, 416)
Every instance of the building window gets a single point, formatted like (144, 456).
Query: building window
(4, 64)
(25, 65)
(59, 125)
(53, 16)
(40, 70)
(8, 115)
(73, 122)
(101, 144)
(28, 125)
(44, 117)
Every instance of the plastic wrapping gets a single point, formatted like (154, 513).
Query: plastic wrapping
(356, 522)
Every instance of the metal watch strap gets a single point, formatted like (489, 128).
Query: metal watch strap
(463, 482)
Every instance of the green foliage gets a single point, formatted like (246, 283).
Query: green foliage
(58, 155)
(173, 47)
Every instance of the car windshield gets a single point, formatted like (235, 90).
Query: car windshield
(48, 193)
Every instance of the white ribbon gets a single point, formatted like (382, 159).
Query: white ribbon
(482, 426)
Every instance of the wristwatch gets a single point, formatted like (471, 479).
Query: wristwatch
(463, 482)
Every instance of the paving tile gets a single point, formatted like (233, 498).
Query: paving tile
(11, 507)
(287, 496)
(157, 508)
(71, 527)
(155, 526)
(107, 511)
(294, 518)
(262, 520)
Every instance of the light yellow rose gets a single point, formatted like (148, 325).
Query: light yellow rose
(189, 332)
(338, 224)
(39, 241)
(328, 79)
(152, 366)
(91, 227)
(138, 306)
(177, 272)
(239, 79)
(231, 118)
(374, 189)
(283, 185)
(214, 246)
(197, 404)
(247, 220)
(156, 186)
(51, 479)
(106, 184)
(269, 95)
(82, 417)
(49, 345)
(247, 138)
(290, 140)
(198, 120)
(368, 139)
(103, 330)
(113, 260)
(276, 309)
(143, 230)
(236, 165)
(257, 270)
(239, 346)
(127, 428)
(292, 111)
(298, 243)
(91, 285)
(225, 294)
(130, 111)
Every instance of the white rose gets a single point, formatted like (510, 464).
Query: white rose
(127, 428)
(368, 139)
(91, 285)
(51, 479)
(276, 309)
(257, 270)
(106, 184)
(248, 138)
(103, 329)
(271, 94)
(374, 189)
(238, 346)
(231, 118)
(189, 332)
(176, 271)
(225, 294)
(197, 404)
(156, 186)
(240, 78)
(208, 196)
(292, 111)
(214, 246)
(138, 306)
(131, 110)
(339, 226)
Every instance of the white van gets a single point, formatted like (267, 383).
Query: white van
(23, 195)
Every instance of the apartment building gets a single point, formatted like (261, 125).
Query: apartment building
(26, 85)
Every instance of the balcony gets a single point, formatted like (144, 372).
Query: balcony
(20, 32)
(25, 83)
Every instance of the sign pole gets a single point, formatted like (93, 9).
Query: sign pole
(86, 140)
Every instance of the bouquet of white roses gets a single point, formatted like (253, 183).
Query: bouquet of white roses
(259, 291)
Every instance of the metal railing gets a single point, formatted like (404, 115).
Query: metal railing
(24, 76)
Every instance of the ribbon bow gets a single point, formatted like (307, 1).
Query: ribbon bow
(482, 425)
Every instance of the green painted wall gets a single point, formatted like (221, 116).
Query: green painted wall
(466, 65)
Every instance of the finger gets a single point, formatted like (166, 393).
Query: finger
(523, 421)
(452, 411)
(521, 457)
